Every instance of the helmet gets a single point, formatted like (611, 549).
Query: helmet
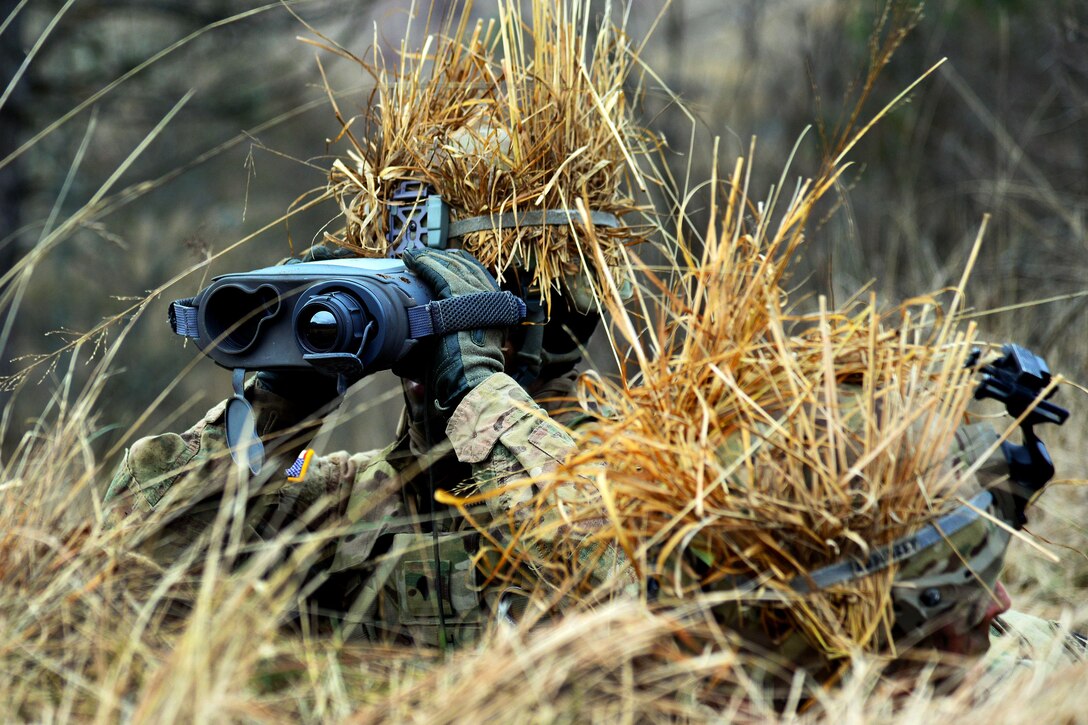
(463, 144)
(947, 573)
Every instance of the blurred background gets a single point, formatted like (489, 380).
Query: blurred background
(217, 121)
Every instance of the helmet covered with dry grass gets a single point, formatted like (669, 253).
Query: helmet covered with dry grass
(513, 139)
(790, 473)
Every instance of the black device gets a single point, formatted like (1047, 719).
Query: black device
(347, 318)
(1018, 379)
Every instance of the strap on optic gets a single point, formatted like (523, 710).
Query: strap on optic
(465, 312)
(881, 558)
(182, 314)
(898, 551)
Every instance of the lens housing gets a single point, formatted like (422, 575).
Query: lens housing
(330, 322)
(321, 331)
(345, 318)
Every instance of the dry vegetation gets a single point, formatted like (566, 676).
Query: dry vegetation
(765, 443)
(93, 629)
(529, 112)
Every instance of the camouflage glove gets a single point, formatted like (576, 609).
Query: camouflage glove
(321, 253)
(462, 360)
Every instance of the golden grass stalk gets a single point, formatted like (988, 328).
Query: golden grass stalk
(527, 112)
(751, 444)
(754, 444)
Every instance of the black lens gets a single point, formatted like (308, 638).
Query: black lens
(321, 331)
(330, 323)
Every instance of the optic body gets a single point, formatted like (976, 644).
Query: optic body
(343, 317)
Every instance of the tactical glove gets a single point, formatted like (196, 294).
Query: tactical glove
(459, 361)
(321, 253)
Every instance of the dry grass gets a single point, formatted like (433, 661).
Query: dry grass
(95, 630)
(92, 629)
(756, 443)
(527, 112)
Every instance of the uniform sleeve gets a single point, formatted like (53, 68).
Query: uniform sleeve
(507, 436)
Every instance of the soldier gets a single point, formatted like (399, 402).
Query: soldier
(485, 410)
(518, 170)
(465, 418)
(946, 595)
(379, 571)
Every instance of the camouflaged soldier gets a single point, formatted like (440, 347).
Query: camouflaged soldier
(946, 595)
(486, 407)
(381, 574)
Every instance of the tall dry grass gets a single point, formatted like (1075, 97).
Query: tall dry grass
(519, 114)
(93, 629)
(748, 445)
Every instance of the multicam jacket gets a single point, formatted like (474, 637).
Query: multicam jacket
(381, 572)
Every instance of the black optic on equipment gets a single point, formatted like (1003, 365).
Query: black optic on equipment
(332, 322)
(346, 318)
(250, 309)
(320, 332)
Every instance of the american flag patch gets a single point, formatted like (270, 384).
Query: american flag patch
(297, 471)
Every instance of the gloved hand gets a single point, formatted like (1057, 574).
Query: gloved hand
(321, 253)
(459, 360)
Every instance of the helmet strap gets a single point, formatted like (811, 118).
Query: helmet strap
(530, 355)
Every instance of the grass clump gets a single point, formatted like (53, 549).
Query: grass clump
(528, 112)
(746, 434)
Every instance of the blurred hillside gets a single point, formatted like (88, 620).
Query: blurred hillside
(999, 130)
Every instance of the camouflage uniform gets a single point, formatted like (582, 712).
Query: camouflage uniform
(380, 573)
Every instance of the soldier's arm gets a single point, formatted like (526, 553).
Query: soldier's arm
(505, 434)
(152, 466)
(511, 441)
